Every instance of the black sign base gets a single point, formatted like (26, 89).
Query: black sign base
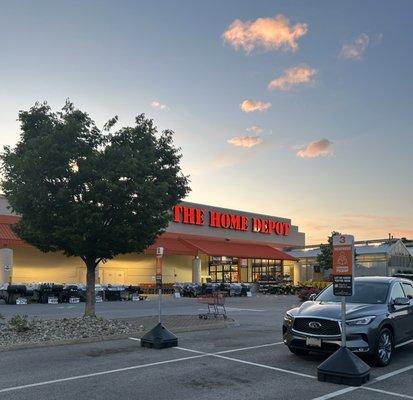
(159, 338)
(345, 368)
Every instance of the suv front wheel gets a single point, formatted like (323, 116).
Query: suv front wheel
(384, 348)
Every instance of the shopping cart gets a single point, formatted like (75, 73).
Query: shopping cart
(215, 303)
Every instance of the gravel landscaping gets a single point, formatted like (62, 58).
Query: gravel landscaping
(22, 331)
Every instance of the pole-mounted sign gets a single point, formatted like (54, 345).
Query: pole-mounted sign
(343, 366)
(158, 267)
(343, 255)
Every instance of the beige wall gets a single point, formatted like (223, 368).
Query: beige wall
(137, 268)
(31, 265)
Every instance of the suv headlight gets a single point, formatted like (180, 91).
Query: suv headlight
(288, 319)
(360, 321)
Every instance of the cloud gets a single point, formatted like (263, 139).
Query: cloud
(255, 128)
(251, 106)
(356, 49)
(245, 141)
(267, 33)
(301, 74)
(159, 106)
(320, 148)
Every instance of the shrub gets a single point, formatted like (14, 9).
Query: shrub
(19, 323)
(316, 284)
(305, 293)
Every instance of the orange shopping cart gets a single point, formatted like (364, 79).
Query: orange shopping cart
(215, 303)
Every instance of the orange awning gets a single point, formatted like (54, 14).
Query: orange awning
(172, 246)
(8, 237)
(240, 250)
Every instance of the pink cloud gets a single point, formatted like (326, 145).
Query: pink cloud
(320, 148)
(251, 106)
(245, 141)
(266, 33)
(299, 75)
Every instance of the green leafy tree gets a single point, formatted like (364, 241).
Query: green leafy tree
(325, 258)
(88, 192)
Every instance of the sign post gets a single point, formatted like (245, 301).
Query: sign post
(158, 272)
(159, 337)
(343, 366)
(343, 260)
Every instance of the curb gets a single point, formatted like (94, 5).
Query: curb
(138, 334)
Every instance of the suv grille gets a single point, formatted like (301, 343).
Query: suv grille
(317, 326)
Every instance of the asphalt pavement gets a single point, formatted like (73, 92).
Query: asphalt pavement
(243, 361)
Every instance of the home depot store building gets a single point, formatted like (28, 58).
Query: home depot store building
(201, 243)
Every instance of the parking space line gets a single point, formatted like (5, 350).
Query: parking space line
(218, 355)
(265, 366)
(368, 385)
(403, 344)
(249, 348)
(91, 375)
(404, 396)
(393, 373)
(226, 351)
(336, 393)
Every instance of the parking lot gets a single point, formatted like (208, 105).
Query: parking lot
(243, 361)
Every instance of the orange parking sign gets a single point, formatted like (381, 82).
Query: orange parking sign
(343, 260)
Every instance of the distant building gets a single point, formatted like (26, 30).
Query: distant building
(373, 257)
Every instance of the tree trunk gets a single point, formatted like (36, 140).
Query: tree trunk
(90, 288)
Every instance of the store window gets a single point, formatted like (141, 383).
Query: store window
(224, 269)
(266, 269)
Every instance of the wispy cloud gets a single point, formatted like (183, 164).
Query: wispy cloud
(266, 33)
(245, 141)
(251, 106)
(298, 75)
(159, 106)
(356, 49)
(320, 148)
(255, 129)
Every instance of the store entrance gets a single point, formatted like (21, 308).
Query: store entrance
(224, 269)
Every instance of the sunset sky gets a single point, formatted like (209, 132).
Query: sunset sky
(300, 109)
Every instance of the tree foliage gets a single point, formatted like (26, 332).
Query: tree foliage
(88, 192)
(325, 258)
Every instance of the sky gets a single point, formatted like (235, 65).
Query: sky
(298, 109)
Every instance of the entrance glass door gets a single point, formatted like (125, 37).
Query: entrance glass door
(223, 269)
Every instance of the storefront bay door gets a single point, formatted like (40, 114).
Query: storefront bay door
(114, 277)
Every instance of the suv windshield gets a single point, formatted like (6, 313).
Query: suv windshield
(364, 292)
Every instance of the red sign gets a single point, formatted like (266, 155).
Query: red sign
(221, 220)
(343, 260)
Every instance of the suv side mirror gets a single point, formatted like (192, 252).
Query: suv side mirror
(312, 296)
(401, 301)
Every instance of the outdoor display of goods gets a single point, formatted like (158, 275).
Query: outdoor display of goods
(41, 292)
(196, 289)
(46, 290)
(10, 293)
(215, 303)
(73, 291)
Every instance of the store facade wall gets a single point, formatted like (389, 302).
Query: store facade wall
(192, 227)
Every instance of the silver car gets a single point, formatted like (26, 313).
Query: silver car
(379, 318)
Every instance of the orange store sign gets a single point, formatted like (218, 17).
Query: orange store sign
(343, 255)
(221, 220)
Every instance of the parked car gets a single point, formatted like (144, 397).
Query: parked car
(379, 318)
